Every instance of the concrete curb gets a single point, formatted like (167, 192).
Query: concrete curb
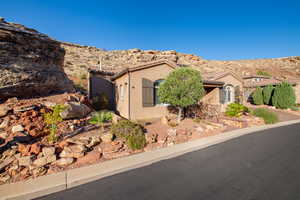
(44, 185)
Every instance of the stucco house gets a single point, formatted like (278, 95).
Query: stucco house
(132, 93)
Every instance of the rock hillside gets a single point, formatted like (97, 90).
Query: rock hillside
(30, 63)
(79, 58)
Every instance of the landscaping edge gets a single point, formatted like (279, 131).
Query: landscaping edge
(48, 184)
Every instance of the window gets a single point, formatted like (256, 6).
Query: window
(155, 88)
(121, 93)
(229, 94)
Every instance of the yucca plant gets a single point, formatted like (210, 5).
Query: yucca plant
(99, 118)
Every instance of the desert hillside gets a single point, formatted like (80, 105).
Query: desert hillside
(79, 58)
(27, 56)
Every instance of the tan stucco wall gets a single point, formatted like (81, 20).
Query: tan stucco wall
(122, 105)
(137, 111)
(213, 97)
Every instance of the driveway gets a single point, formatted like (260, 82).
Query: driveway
(260, 166)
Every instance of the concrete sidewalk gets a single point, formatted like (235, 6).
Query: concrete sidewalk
(57, 182)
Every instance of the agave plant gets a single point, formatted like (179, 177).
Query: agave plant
(99, 118)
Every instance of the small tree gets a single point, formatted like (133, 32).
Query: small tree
(267, 94)
(257, 96)
(284, 96)
(52, 119)
(182, 88)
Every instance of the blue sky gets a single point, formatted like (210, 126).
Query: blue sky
(222, 30)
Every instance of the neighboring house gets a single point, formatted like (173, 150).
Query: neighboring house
(132, 93)
(254, 81)
(233, 86)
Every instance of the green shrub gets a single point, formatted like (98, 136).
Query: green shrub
(284, 96)
(131, 132)
(99, 118)
(52, 119)
(235, 110)
(262, 73)
(257, 96)
(268, 116)
(267, 94)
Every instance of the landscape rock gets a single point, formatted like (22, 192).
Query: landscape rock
(4, 179)
(151, 138)
(4, 110)
(25, 161)
(64, 161)
(4, 124)
(107, 137)
(75, 110)
(73, 151)
(94, 141)
(3, 134)
(35, 148)
(39, 171)
(48, 151)
(39, 162)
(24, 149)
(17, 128)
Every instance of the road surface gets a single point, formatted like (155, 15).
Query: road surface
(260, 166)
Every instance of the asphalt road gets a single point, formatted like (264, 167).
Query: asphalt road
(264, 165)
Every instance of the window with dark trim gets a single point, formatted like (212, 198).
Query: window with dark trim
(155, 88)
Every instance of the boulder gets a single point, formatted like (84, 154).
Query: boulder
(64, 161)
(75, 110)
(31, 63)
(73, 151)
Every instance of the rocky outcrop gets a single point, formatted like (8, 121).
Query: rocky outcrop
(31, 63)
(79, 58)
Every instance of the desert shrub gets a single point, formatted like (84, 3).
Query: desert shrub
(257, 96)
(99, 118)
(52, 119)
(235, 110)
(262, 73)
(131, 132)
(268, 116)
(284, 96)
(267, 94)
(100, 102)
